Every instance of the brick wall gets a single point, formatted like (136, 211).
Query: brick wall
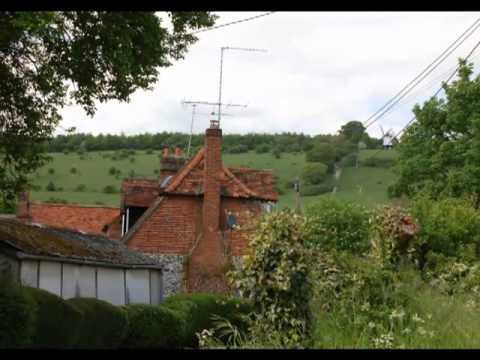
(171, 229)
(245, 212)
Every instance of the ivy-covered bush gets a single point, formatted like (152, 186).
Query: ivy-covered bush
(152, 326)
(339, 224)
(103, 325)
(56, 324)
(393, 234)
(17, 314)
(447, 225)
(276, 276)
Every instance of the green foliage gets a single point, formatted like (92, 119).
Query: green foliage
(17, 314)
(103, 55)
(276, 276)
(51, 171)
(392, 239)
(349, 160)
(262, 149)
(447, 225)
(51, 186)
(55, 200)
(322, 152)
(103, 325)
(378, 162)
(57, 321)
(440, 152)
(313, 190)
(80, 188)
(340, 225)
(152, 327)
(353, 131)
(314, 173)
(110, 189)
(198, 311)
(73, 170)
(112, 170)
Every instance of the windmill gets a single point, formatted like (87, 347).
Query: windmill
(387, 138)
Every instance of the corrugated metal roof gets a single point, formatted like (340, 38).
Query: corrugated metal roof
(41, 240)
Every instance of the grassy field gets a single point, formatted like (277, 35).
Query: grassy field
(364, 184)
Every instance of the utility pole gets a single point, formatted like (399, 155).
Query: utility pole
(222, 49)
(194, 105)
(298, 203)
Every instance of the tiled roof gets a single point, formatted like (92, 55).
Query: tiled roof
(89, 219)
(235, 182)
(39, 240)
(139, 192)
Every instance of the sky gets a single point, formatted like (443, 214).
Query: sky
(320, 70)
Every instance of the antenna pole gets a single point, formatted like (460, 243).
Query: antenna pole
(220, 85)
(191, 130)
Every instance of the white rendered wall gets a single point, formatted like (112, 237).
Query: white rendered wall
(138, 286)
(156, 288)
(111, 285)
(29, 273)
(50, 277)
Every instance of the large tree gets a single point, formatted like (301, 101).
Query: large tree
(440, 152)
(51, 59)
(353, 131)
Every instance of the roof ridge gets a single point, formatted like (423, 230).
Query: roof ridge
(240, 183)
(184, 172)
(74, 205)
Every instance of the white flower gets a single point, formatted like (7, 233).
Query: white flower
(422, 331)
(397, 314)
(417, 318)
(406, 331)
(371, 324)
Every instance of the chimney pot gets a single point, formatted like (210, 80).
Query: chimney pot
(166, 151)
(178, 152)
(23, 205)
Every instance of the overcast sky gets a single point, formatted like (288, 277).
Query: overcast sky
(322, 69)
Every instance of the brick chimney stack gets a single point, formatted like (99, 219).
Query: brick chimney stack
(23, 205)
(178, 152)
(208, 257)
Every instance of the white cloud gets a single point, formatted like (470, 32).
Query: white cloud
(321, 70)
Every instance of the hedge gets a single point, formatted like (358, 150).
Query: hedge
(152, 326)
(57, 321)
(17, 314)
(313, 190)
(199, 315)
(103, 325)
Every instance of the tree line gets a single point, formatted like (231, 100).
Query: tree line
(232, 143)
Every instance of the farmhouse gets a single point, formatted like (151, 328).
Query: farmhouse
(71, 264)
(193, 220)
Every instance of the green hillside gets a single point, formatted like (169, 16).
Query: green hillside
(364, 184)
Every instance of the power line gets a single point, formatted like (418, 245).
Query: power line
(232, 23)
(436, 93)
(420, 77)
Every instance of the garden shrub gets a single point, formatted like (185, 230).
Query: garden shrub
(51, 171)
(339, 224)
(313, 190)
(393, 239)
(17, 314)
(73, 170)
(447, 225)
(103, 325)
(152, 326)
(198, 311)
(276, 276)
(112, 170)
(57, 321)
